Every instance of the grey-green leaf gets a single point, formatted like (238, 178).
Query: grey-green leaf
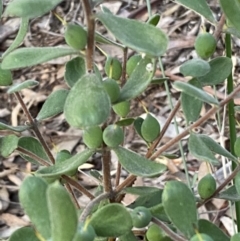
(106, 220)
(230, 194)
(215, 147)
(30, 8)
(13, 128)
(24, 85)
(128, 237)
(26, 57)
(138, 81)
(138, 165)
(24, 233)
(33, 198)
(67, 166)
(180, 206)
(53, 105)
(74, 70)
(195, 68)
(232, 12)
(200, 7)
(191, 106)
(8, 144)
(63, 214)
(20, 36)
(200, 150)
(32, 145)
(209, 228)
(194, 92)
(136, 35)
(221, 68)
(5, 76)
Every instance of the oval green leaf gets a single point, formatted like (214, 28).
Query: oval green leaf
(180, 206)
(200, 150)
(136, 35)
(25, 233)
(63, 214)
(113, 215)
(194, 92)
(232, 12)
(8, 144)
(32, 145)
(33, 198)
(195, 68)
(221, 68)
(87, 103)
(138, 81)
(191, 106)
(68, 165)
(215, 147)
(24, 85)
(53, 105)
(209, 228)
(30, 8)
(26, 57)
(230, 194)
(20, 36)
(200, 7)
(138, 165)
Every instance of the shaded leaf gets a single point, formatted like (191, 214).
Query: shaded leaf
(158, 80)
(26, 57)
(237, 182)
(102, 39)
(200, 7)
(20, 36)
(13, 128)
(8, 144)
(221, 68)
(231, 194)
(141, 190)
(106, 220)
(207, 227)
(24, 233)
(53, 105)
(24, 85)
(195, 68)
(138, 81)
(158, 212)
(33, 198)
(191, 106)
(128, 237)
(200, 150)
(194, 92)
(154, 20)
(138, 165)
(30, 8)
(125, 122)
(232, 12)
(137, 125)
(68, 165)
(136, 35)
(63, 214)
(179, 205)
(32, 145)
(215, 147)
(74, 70)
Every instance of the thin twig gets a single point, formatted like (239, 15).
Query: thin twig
(78, 186)
(91, 30)
(69, 189)
(34, 125)
(87, 210)
(219, 27)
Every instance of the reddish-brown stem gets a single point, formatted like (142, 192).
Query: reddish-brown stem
(69, 189)
(91, 31)
(106, 164)
(34, 126)
(78, 186)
